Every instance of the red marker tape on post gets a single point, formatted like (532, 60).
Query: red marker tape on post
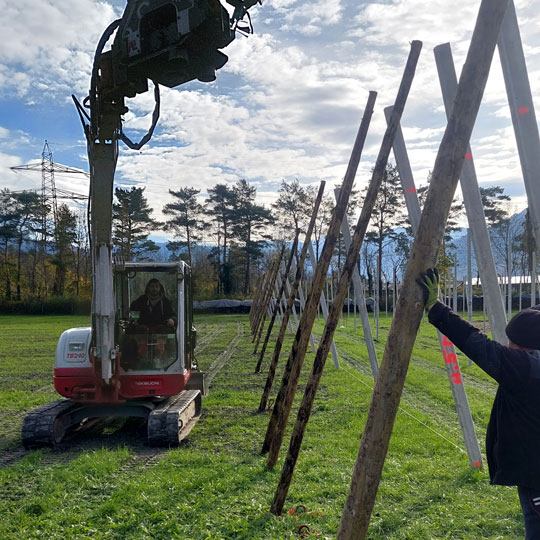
(523, 110)
(468, 156)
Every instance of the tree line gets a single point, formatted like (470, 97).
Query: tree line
(227, 237)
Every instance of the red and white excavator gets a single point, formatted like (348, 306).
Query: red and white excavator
(120, 367)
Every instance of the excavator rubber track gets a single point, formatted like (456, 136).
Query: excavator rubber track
(172, 420)
(47, 425)
(169, 420)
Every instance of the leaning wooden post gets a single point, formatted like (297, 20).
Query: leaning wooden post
(257, 299)
(292, 297)
(343, 286)
(389, 386)
(280, 295)
(289, 382)
(262, 299)
(448, 351)
(268, 300)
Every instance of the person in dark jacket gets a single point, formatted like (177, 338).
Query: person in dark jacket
(513, 433)
(155, 310)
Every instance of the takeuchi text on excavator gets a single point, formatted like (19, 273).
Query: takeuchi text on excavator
(137, 358)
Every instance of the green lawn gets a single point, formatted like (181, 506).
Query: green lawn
(216, 486)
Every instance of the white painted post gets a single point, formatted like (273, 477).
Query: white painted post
(377, 300)
(469, 277)
(522, 112)
(472, 199)
(324, 307)
(454, 305)
(302, 299)
(359, 297)
(355, 304)
(533, 280)
(509, 272)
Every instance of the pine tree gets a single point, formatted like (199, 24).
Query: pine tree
(250, 222)
(220, 205)
(65, 236)
(132, 224)
(186, 219)
(387, 214)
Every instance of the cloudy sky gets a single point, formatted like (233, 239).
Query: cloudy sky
(287, 104)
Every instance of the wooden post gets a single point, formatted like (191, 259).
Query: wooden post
(397, 353)
(257, 300)
(292, 297)
(280, 295)
(447, 348)
(291, 374)
(268, 299)
(260, 302)
(348, 268)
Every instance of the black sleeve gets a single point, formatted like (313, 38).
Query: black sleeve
(507, 366)
(139, 304)
(168, 312)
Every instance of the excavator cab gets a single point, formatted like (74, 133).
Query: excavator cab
(154, 327)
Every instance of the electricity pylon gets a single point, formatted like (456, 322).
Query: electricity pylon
(49, 193)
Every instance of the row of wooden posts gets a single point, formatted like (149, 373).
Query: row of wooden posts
(275, 298)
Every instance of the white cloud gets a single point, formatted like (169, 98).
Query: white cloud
(49, 45)
(289, 101)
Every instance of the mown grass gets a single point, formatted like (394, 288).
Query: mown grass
(216, 485)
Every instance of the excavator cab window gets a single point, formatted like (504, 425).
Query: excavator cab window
(147, 309)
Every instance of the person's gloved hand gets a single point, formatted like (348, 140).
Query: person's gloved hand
(429, 282)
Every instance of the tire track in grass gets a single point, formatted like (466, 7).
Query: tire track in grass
(220, 361)
(207, 340)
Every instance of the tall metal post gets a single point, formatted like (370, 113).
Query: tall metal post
(509, 272)
(469, 277)
(359, 295)
(324, 306)
(454, 306)
(302, 299)
(533, 279)
(522, 112)
(473, 206)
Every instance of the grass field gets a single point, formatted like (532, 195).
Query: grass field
(215, 485)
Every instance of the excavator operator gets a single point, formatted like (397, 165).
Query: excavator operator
(156, 314)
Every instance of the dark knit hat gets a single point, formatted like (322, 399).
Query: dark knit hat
(524, 329)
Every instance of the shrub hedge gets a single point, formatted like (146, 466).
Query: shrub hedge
(46, 306)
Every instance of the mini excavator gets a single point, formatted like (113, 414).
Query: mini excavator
(119, 367)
